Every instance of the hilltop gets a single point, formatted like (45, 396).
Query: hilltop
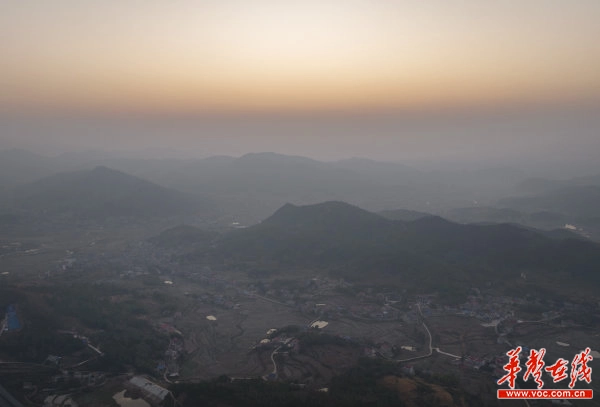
(102, 192)
(357, 244)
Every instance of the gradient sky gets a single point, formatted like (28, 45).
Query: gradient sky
(274, 58)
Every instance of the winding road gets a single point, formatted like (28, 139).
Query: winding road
(431, 348)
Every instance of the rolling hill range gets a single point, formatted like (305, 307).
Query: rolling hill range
(351, 242)
(404, 214)
(251, 187)
(254, 185)
(577, 205)
(21, 166)
(102, 193)
(579, 201)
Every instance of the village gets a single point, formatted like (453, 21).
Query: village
(216, 322)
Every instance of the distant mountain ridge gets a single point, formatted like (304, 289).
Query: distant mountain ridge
(253, 186)
(322, 215)
(21, 166)
(580, 201)
(102, 192)
(349, 241)
(405, 215)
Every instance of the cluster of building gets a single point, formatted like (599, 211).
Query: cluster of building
(220, 300)
(170, 365)
(150, 390)
(60, 400)
(296, 293)
(387, 350)
(486, 308)
(329, 310)
(84, 379)
(374, 312)
(281, 341)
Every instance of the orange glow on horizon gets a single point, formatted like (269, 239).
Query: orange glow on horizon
(296, 56)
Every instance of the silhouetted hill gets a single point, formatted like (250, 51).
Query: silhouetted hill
(405, 215)
(542, 221)
(479, 214)
(20, 166)
(322, 235)
(349, 241)
(536, 186)
(561, 234)
(389, 173)
(103, 192)
(323, 216)
(251, 187)
(578, 201)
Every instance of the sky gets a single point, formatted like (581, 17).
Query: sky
(325, 78)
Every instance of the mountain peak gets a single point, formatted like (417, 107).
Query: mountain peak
(103, 191)
(330, 213)
(102, 168)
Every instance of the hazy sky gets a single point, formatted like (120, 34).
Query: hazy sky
(95, 67)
